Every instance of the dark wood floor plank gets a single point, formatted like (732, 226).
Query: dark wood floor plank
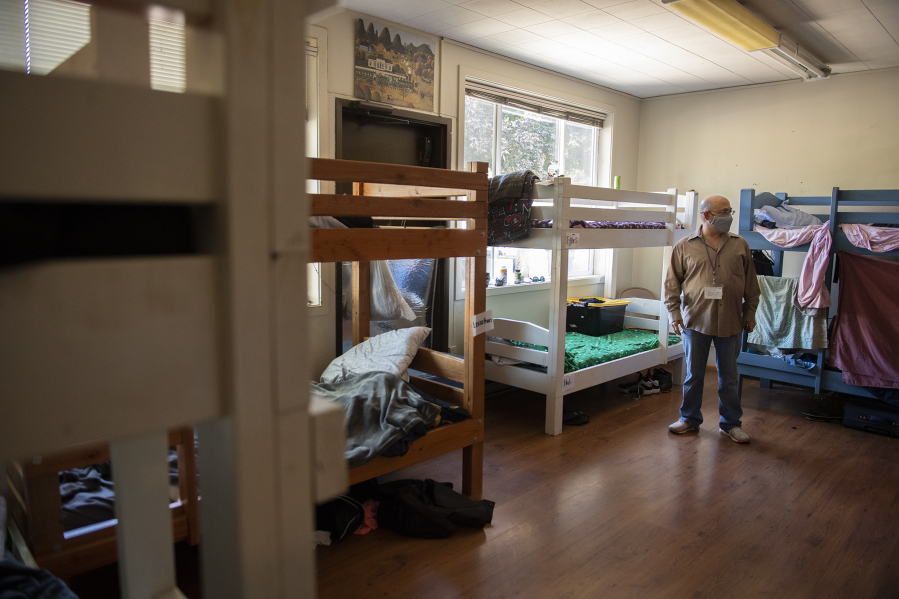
(622, 508)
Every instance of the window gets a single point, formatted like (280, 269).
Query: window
(515, 138)
(167, 49)
(313, 270)
(36, 36)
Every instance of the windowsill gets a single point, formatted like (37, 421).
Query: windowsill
(319, 310)
(524, 287)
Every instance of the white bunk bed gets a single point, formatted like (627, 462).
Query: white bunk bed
(563, 202)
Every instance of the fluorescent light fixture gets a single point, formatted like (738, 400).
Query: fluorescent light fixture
(789, 54)
(729, 20)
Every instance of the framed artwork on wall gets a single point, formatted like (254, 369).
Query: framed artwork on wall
(393, 67)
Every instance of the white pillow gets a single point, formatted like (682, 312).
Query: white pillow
(388, 352)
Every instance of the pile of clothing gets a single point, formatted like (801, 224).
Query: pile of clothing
(414, 508)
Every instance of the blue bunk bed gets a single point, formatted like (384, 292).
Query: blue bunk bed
(864, 206)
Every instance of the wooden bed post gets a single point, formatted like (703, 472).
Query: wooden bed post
(475, 303)
(187, 483)
(361, 301)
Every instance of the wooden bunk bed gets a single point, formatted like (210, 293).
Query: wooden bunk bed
(563, 202)
(865, 206)
(386, 190)
(36, 508)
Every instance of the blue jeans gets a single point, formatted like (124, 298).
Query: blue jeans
(696, 347)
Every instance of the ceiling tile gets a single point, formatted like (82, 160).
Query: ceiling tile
(887, 12)
(519, 53)
(604, 4)
(635, 10)
(612, 32)
(583, 40)
(563, 8)
(544, 46)
(455, 15)
(515, 37)
(580, 59)
(489, 43)
(530, 3)
(382, 12)
(425, 23)
(552, 29)
(640, 40)
(594, 18)
(883, 63)
(460, 35)
(817, 9)
(484, 27)
(414, 8)
(681, 32)
(708, 45)
(661, 21)
(490, 8)
(653, 84)
(523, 17)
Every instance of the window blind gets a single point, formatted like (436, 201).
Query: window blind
(12, 35)
(54, 30)
(167, 66)
(515, 98)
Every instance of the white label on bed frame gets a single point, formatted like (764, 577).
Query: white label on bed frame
(482, 323)
(573, 239)
(567, 382)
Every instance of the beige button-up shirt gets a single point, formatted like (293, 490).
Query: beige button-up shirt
(691, 270)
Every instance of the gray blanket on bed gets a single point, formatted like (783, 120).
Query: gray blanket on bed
(380, 408)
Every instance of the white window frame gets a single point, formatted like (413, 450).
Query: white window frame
(596, 261)
(319, 276)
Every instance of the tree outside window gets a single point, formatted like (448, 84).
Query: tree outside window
(530, 141)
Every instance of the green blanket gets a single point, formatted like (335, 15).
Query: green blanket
(583, 351)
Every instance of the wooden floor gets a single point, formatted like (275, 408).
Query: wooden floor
(622, 508)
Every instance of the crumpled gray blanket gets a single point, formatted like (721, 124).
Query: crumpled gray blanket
(380, 408)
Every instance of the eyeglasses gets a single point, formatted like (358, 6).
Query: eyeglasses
(727, 212)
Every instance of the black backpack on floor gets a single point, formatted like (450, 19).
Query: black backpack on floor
(428, 509)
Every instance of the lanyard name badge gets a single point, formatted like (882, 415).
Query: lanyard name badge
(713, 291)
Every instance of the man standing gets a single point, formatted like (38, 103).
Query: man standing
(713, 270)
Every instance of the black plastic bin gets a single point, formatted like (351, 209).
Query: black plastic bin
(597, 317)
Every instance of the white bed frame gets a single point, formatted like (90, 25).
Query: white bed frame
(577, 202)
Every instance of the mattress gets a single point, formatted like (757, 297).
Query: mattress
(583, 351)
(544, 223)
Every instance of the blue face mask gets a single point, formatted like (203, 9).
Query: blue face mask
(722, 223)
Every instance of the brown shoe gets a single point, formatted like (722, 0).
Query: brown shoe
(680, 427)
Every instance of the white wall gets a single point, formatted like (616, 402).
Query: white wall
(455, 61)
(796, 137)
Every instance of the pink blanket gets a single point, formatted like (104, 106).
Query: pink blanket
(875, 239)
(813, 291)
